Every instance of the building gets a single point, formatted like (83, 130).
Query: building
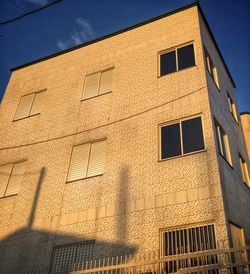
(121, 145)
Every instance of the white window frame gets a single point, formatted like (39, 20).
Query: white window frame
(212, 68)
(99, 81)
(9, 177)
(232, 107)
(244, 171)
(223, 139)
(176, 57)
(176, 122)
(89, 154)
(29, 115)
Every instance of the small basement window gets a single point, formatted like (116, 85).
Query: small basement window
(188, 240)
(65, 258)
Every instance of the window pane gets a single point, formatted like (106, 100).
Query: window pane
(170, 141)
(91, 86)
(4, 177)
(37, 104)
(97, 158)
(15, 179)
(192, 135)
(79, 162)
(167, 63)
(186, 57)
(106, 81)
(24, 106)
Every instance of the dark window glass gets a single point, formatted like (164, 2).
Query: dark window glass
(168, 63)
(192, 135)
(170, 141)
(186, 57)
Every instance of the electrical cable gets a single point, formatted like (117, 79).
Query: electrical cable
(104, 125)
(29, 13)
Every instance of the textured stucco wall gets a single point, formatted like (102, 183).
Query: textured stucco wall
(137, 196)
(236, 194)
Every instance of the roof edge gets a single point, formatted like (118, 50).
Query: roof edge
(216, 45)
(245, 112)
(104, 37)
(196, 3)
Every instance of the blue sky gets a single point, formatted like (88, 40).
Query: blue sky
(71, 22)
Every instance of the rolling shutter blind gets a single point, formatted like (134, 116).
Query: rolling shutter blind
(97, 158)
(91, 86)
(4, 178)
(24, 106)
(79, 162)
(106, 81)
(37, 104)
(15, 179)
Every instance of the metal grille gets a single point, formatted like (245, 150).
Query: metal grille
(68, 257)
(189, 240)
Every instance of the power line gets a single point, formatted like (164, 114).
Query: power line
(107, 124)
(30, 12)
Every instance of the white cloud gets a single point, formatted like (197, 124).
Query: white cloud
(82, 33)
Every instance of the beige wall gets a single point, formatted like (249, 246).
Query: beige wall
(137, 196)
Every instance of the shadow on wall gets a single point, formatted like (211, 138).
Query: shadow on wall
(29, 250)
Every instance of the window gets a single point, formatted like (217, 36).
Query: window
(244, 171)
(87, 160)
(212, 68)
(98, 83)
(177, 59)
(11, 176)
(232, 107)
(181, 138)
(66, 257)
(222, 143)
(185, 241)
(30, 105)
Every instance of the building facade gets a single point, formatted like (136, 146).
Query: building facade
(120, 146)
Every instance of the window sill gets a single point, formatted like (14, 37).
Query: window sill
(160, 76)
(183, 155)
(226, 160)
(99, 95)
(81, 179)
(26, 117)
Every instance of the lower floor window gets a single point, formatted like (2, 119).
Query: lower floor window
(66, 257)
(188, 240)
